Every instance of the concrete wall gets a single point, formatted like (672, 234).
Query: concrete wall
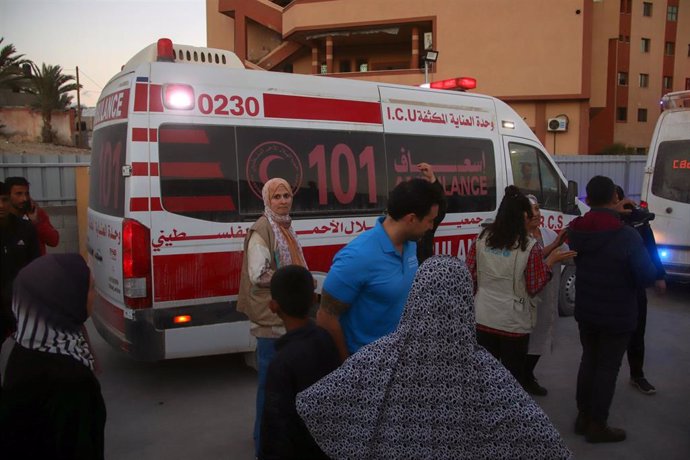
(26, 124)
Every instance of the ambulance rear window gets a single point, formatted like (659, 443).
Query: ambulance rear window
(198, 172)
(672, 171)
(106, 182)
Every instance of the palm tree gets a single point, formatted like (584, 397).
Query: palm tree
(52, 88)
(11, 74)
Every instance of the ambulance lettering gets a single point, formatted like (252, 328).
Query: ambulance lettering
(113, 107)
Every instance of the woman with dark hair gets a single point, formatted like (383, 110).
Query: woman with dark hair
(52, 405)
(508, 269)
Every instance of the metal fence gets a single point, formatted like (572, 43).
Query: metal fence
(52, 176)
(625, 170)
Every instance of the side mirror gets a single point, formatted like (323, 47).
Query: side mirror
(571, 199)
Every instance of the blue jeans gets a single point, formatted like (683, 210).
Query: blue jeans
(265, 350)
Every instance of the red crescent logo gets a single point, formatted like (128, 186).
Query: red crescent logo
(263, 167)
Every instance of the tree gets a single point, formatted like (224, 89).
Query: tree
(52, 88)
(11, 74)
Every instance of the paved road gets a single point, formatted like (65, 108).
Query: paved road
(203, 408)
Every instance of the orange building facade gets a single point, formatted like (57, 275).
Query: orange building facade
(602, 65)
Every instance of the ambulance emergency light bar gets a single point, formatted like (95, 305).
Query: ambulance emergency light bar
(457, 84)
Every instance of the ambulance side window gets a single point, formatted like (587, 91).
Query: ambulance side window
(671, 178)
(464, 167)
(534, 174)
(106, 182)
(198, 171)
(333, 173)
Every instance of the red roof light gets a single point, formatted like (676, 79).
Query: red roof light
(165, 50)
(461, 84)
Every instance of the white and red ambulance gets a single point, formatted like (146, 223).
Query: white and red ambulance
(184, 139)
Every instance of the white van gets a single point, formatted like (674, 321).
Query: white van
(185, 138)
(666, 184)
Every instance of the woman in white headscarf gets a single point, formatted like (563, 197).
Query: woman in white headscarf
(271, 243)
(428, 390)
(547, 299)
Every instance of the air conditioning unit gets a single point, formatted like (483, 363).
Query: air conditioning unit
(558, 124)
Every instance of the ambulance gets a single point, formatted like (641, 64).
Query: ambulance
(666, 185)
(185, 138)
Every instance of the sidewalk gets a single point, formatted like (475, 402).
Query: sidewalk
(658, 426)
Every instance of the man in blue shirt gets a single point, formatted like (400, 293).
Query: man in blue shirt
(366, 288)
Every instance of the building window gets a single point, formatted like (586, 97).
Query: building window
(644, 80)
(345, 66)
(640, 151)
(687, 83)
(668, 82)
(646, 9)
(645, 45)
(670, 48)
(621, 114)
(642, 115)
(362, 65)
(672, 13)
(622, 78)
(626, 6)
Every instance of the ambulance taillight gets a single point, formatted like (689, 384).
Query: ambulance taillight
(136, 264)
(458, 84)
(165, 50)
(178, 97)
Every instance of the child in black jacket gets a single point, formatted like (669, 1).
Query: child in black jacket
(304, 355)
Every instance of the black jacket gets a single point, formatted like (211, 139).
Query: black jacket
(51, 408)
(612, 263)
(18, 247)
(303, 356)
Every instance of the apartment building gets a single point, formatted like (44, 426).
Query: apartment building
(595, 69)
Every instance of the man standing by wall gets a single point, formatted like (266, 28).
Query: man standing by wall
(612, 263)
(23, 206)
(18, 247)
(367, 285)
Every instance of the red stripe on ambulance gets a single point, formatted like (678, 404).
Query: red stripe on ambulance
(192, 170)
(141, 97)
(155, 98)
(196, 276)
(112, 107)
(317, 108)
(139, 168)
(144, 134)
(199, 203)
(183, 136)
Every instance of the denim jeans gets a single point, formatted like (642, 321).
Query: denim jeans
(265, 350)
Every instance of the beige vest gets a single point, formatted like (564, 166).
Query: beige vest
(502, 301)
(253, 300)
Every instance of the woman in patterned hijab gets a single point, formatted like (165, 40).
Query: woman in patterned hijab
(51, 403)
(428, 390)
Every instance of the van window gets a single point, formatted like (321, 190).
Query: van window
(465, 167)
(198, 171)
(534, 174)
(671, 178)
(106, 182)
(333, 172)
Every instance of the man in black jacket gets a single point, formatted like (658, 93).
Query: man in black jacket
(18, 247)
(639, 220)
(612, 263)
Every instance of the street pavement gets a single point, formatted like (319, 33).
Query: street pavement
(203, 408)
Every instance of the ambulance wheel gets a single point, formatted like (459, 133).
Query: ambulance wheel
(250, 360)
(566, 295)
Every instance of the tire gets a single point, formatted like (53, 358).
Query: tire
(566, 294)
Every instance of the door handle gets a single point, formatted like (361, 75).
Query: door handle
(97, 255)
